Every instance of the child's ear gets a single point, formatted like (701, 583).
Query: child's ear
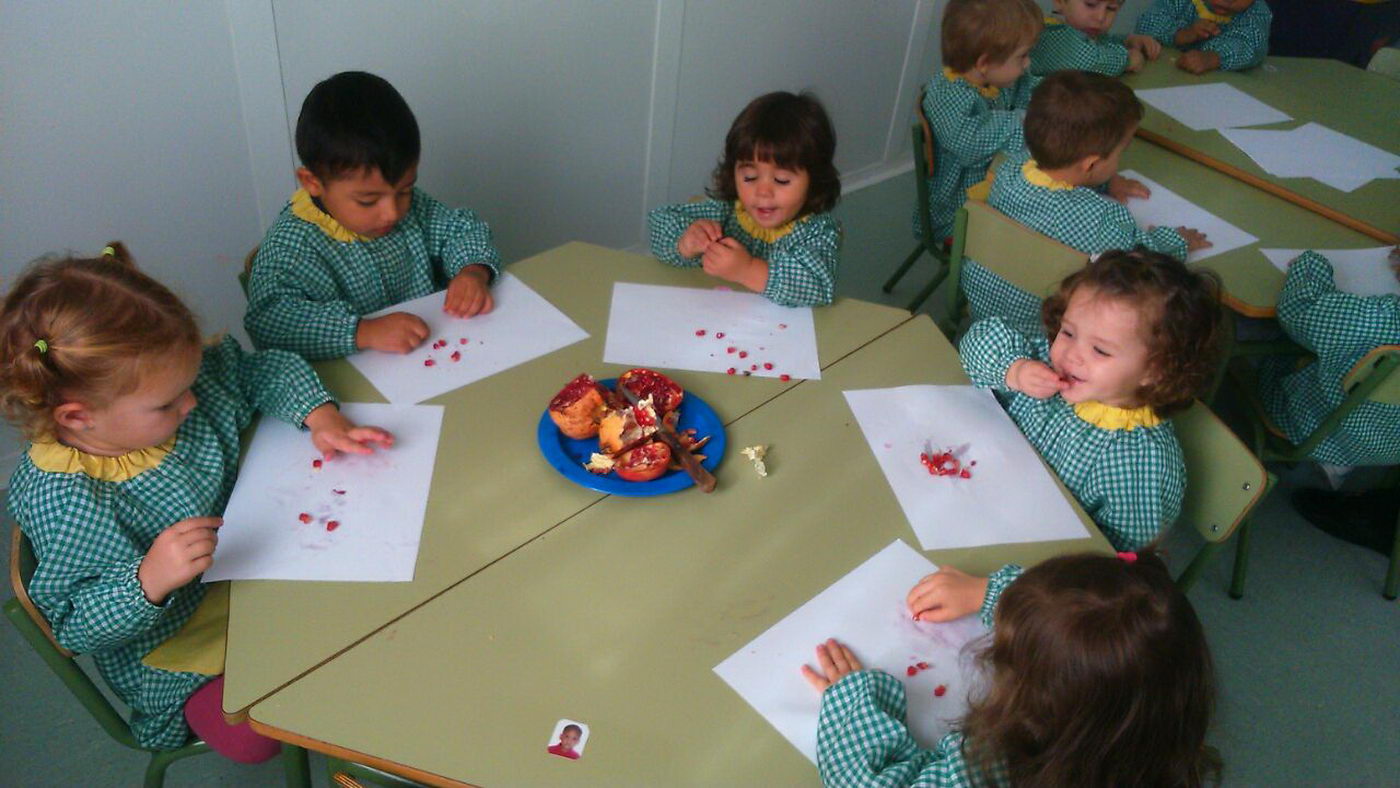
(983, 64)
(1086, 165)
(74, 416)
(310, 182)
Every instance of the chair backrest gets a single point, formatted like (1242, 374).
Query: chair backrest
(1224, 480)
(1374, 376)
(922, 139)
(247, 270)
(35, 629)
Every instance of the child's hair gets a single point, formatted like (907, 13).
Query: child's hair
(1099, 675)
(1180, 312)
(994, 28)
(1074, 114)
(356, 121)
(84, 328)
(793, 132)
(571, 727)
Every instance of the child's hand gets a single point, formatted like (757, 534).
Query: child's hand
(1122, 189)
(729, 260)
(698, 237)
(177, 556)
(836, 661)
(1200, 30)
(1135, 60)
(331, 432)
(1150, 47)
(947, 594)
(1034, 378)
(469, 293)
(396, 332)
(1195, 239)
(1198, 61)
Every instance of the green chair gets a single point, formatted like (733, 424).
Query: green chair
(923, 170)
(247, 270)
(1224, 482)
(1032, 262)
(31, 624)
(1372, 379)
(348, 774)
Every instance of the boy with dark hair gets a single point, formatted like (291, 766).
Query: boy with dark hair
(359, 236)
(1077, 127)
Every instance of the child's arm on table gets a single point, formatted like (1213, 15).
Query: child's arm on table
(800, 269)
(1242, 44)
(459, 242)
(1106, 55)
(1163, 19)
(1119, 230)
(670, 224)
(1328, 321)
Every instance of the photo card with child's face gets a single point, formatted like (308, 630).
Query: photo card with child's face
(568, 739)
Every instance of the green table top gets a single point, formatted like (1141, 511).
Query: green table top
(1252, 283)
(1342, 97)
(617, 616)
(492, 491)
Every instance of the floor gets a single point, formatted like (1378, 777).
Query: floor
(1308, 660)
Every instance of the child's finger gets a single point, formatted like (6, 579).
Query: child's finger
(817, 680)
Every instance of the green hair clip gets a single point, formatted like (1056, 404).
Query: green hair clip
(42, 345)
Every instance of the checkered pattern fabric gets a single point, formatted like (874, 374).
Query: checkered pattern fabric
(862, 739)
(1130, 481)
(801, 264)
(90, 535)
(1062, 47)
(1083, 218)
(968, 130)
(307, 290)
(1243, 41)
(1339, 328)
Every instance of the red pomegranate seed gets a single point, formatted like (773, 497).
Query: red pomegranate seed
(767, 365)
(966, 474)
(331, 525)
(923, 666)
(719, 335)
(753, 367)
(911, 670)
(971, 464)
(940, 690)
(743, 354)
(785, 377)
(316, 464)
(699, 332)
(428, 362)
(730, 349)
(462, 341)
(304, 517)
(456, 355)
(732, 370)
(782, 325)
(338, 492)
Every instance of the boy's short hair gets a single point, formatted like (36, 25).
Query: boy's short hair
(995, 28)
(356, 121)
(1075, 114)
(793, 132)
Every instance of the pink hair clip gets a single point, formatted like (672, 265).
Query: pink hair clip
(1128, 557)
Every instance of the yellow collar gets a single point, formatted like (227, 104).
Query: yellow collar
(1206, 13)
(1050, 20)
(1038, 177)
(758, 231)
(55, 457)
(303, 208)
(1108, 417)
(987, 91)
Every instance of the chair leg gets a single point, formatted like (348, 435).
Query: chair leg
(1198, 564)
(1392, 575)
(929, 288)
(155, 769)
(295, 766)
(1241, 560)
(903, 268)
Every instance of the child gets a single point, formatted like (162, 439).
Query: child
(976, 106)
(767, 225)
(568, 739)
(358, 236)
(1077, 128)
(1129, 340)
(1081, 41)
(1339, 328)
(1232, 35)
(1099, 674)
(134, 431)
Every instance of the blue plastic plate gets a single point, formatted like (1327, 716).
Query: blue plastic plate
(568, 455)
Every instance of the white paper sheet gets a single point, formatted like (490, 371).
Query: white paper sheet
(1009, 495)
(864, 610)
(1214, 105)
(1166, 208)
(1365, 272)
(357, 517)
(522, 326)
(656, 326)
(1316, 151)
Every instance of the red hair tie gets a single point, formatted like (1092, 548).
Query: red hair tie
(1130, 558)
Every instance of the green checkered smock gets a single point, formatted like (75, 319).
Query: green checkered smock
(862, 739)
(801, 264)
(968, 130)
(1243, 41)
(90, 535)
(308, 290)
(1130, 481)
(1083, 218)
(1339, 328)
(1062, 47)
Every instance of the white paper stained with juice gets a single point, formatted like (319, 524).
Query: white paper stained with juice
(1008, 496)
(710, 331)
(1365, 272)
(1166, 208)
(356, 517)
(522, 326)
(1215, 105)
(866, 611)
